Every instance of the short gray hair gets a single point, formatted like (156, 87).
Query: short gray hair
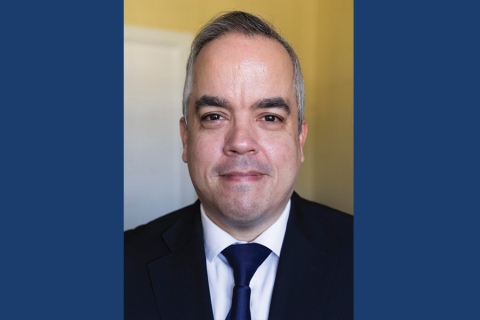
(250, 25)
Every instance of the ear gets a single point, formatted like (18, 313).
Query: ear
(184, 136)
(302, 137)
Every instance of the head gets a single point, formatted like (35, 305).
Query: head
(245, 135)
(249, 25)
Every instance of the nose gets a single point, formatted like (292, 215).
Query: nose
(240, 139)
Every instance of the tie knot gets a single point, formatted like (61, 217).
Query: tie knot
(245, 260)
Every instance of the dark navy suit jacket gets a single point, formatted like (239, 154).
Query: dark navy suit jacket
(166, 275)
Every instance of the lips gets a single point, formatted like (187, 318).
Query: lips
(242, 176)
(242, 169)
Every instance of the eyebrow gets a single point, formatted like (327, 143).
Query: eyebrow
(211, 101)
(276, 102)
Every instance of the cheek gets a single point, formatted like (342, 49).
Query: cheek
(283, 155)
(203, 150)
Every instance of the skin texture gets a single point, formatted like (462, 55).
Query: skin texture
(242, 145)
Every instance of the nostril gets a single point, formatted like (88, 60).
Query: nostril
(240, 142)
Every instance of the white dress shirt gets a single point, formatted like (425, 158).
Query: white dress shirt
(220, 274)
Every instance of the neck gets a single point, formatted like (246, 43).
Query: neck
(245, 230)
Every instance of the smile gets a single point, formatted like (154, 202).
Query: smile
(242, 176)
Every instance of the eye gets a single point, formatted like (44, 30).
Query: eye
(272, 118)
(212, 117)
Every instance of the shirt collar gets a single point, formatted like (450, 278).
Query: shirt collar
(216, 239)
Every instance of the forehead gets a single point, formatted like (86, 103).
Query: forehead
(240, 62)
(258, 43)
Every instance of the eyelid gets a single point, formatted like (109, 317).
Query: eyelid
(277, 117)
(207, 114)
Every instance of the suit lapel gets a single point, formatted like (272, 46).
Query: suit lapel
(179, 279)
(304, 273)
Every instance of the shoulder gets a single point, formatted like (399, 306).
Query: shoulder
(314, 210)
(146, 241)
(323, 224)
(144, 245)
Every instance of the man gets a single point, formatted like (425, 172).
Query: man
(243, 134)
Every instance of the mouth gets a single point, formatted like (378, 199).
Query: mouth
(242, 176)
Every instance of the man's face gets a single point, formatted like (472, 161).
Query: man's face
(242, 145)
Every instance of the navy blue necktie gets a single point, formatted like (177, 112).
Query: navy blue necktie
(245, 260)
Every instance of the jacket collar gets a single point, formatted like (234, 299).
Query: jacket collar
(179, 279)
(304, 273)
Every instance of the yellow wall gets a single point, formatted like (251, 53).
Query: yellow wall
(321, 32)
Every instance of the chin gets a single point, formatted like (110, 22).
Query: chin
(244, 208)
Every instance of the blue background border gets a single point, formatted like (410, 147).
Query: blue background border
(416, 160)
(62, 137)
